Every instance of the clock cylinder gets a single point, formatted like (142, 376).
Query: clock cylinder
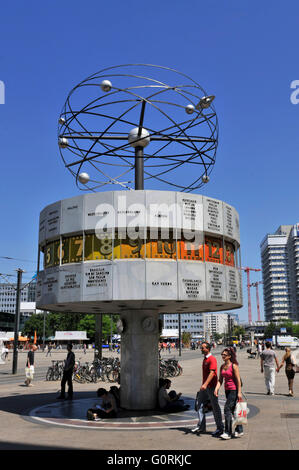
(139, 254)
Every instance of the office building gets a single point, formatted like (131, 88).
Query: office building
(190, 322)
(8, 295)
(219, 322)
(280, 267)
(200, 325)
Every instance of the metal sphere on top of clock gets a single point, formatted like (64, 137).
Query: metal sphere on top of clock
(139, 126)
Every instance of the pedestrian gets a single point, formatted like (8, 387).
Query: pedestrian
(268, 359)
(170, 402)
(68, 374)
(107, 409)
(84, 348)
(229, 372)
(30, 366)
(206, 393)
(290, 364)
(49, 350)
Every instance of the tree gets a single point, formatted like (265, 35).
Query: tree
(186, 338)
(217, 336)
(269, 330)
(34, 323)
(68, 322)
(238, 331)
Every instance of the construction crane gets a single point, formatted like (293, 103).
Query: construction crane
(255, 284)
(247, 270)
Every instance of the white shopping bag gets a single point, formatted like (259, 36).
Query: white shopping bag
(240, 413)
(29, 371)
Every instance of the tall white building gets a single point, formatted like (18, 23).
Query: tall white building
(280, 267)
(8, 296)
(219, 322)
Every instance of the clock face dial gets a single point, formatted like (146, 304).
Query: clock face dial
(87, 247)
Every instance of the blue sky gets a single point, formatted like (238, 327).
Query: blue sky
(243, 52)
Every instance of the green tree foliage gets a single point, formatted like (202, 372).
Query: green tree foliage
(217, 336)
(68, 322)
(238, 331)
(186, 338)
(270, 330)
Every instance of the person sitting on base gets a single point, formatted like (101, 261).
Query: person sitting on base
(170, 402)
(108, 408)
(115, 391)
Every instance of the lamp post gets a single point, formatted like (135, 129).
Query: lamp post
(180, 335)
(17, 322)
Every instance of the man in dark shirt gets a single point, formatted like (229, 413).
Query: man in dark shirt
(68, 374)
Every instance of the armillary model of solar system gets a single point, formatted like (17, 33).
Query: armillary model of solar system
(151, 245)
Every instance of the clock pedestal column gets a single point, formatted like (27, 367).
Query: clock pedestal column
(139, 376)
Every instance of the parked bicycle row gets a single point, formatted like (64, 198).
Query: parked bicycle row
(107, 370)
(170, 368)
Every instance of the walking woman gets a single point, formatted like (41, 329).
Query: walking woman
(229, 372)
(289, 369)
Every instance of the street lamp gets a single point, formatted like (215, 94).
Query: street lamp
(17, 322)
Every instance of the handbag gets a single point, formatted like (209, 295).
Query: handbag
(240, 413)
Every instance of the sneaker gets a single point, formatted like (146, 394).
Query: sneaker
(198, 430)
(272, 393)
(225, 436)
(268, 393)
(194, 430)
(239, 434)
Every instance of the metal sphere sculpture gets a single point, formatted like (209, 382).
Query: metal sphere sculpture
(144, 121)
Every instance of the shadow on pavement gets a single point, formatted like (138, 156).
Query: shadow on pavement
(70, 409)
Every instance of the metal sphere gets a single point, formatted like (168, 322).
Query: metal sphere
(205, 179)
(139, 141)
(190, 109)
(61, 120)
(83, 178)
(106, 85)
(63, 142)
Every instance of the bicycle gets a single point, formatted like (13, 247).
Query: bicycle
(55, 371)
